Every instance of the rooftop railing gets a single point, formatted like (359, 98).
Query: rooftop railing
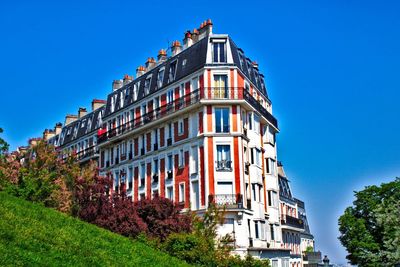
(208, 93)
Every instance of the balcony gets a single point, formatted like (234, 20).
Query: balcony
(169, 174)
(229, 201)
(223, 165)
(87, 153)
(292, 221)
(155, 178)
(210, 93)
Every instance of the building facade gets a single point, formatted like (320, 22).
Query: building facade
(195, 126)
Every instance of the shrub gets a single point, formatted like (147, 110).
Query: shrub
(162, 217)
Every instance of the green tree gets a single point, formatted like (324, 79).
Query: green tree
(3, 144)
(370, 229)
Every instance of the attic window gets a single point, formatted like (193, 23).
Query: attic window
(219, 51)
(147, 85)
(184, 62)
(172, 72)
(83, 123)
(135, 90)
(69, 131)
(160, 77)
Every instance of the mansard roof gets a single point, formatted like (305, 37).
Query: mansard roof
(193, 57)
(247, 68)
(79, 128)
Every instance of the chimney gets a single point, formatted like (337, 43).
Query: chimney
(176, 48)
(255, 64)
(187, 42)
(150, 63)
(33, 141)
(47, 134)
(140, 71)
(97, 103)
(57, 128)
(70, 118)
(205, 29)
(127, 79)
(195, 35)
(116, 84)
(162, 56)
(81, 112)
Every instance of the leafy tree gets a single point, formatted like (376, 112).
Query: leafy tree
(203, 247)
(370, 229)
(39, 175)
(3, 145)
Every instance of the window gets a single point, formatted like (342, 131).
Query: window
(136, 90)
(220, 86)
(222, 120)
(170, 96)
(156, 103)
(147, 85)
(181, 192)
(180, 127)
(142, 174)
(253, 189)
(160, 78)
(257, 157)
(272, 199)
(271, 135)
(224, 162)
(272, 231)
(181, 158)
(193, 160)
(219, 55)
(172, 72)
(262, 230)
(270, 166)
(256, 123)
(250, 121)
(170, 163)
(274, 263)
(256, 229)
(195, 83)
(155, 166)
(169, 193)
(170, 130)
(144, 109)
(130, 178)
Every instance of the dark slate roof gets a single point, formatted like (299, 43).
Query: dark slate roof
(284, 188)
(194, 57)
(79, 128)
(245, 65)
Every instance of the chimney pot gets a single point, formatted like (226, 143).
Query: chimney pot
(81, 112)
(117, 84)
(97, 103)
(127, 79)
(70, 118)
(57, 128)
(162, 55)
(176, 48)
(140, 71)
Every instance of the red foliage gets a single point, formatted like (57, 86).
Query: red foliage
(163, 217)
(157, 217)
(115, 213)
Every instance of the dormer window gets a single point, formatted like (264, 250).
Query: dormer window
(147, 85)
(219, 51)
(160, 78)
(135, 90)
(172, 72)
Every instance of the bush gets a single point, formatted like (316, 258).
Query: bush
(162, 217)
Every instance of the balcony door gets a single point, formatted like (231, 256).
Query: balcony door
(220, 86)
(195, 196)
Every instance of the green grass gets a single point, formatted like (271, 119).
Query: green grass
(32, 235)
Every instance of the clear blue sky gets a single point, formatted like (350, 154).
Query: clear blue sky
(332, 70)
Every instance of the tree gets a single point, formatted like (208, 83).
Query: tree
(3, 144)
(370, 229)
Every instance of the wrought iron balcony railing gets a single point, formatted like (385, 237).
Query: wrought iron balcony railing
(292, 221)
(87, 153)
(227, 200)
(223, 165)
(208, 93)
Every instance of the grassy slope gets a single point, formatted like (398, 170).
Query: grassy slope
(33, 235)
